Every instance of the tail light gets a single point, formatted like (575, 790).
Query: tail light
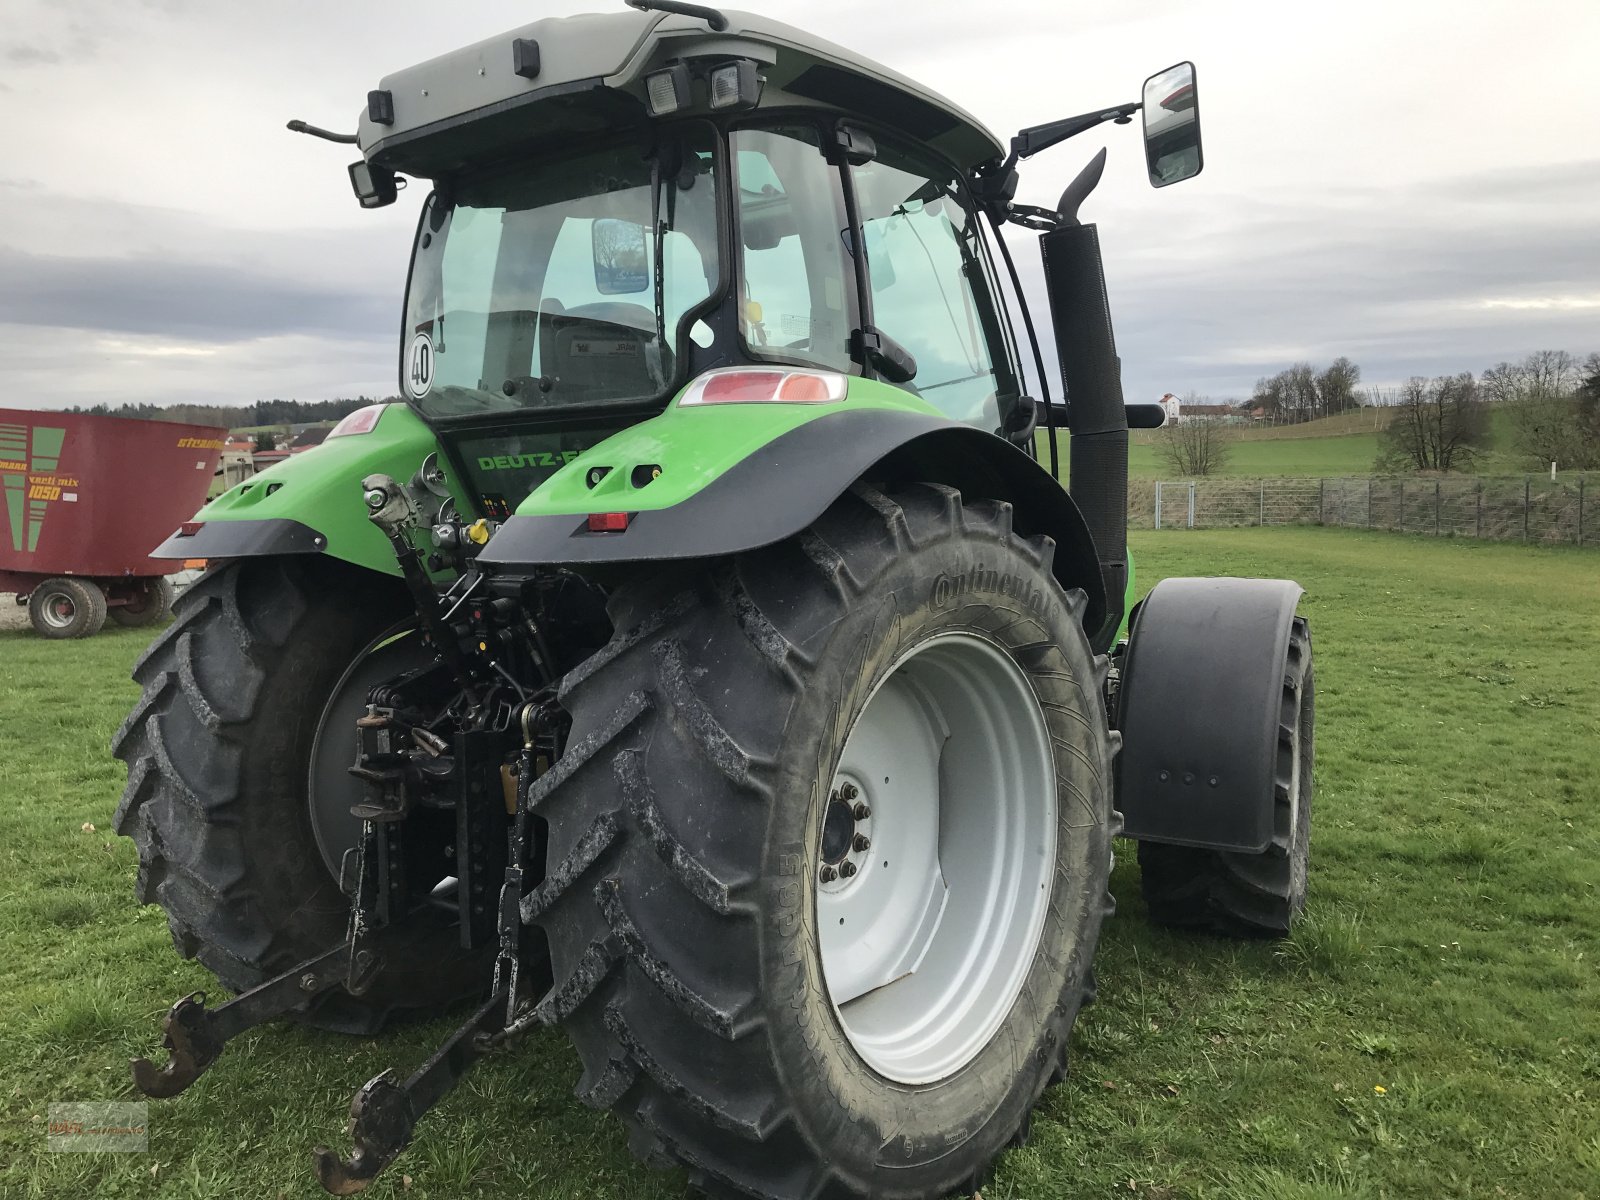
(760, 385)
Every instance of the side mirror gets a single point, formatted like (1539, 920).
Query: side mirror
(373, 186)
(1172, 126)
(621, 257)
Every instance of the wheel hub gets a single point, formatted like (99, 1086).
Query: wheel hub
(846, 835)
(59, 610)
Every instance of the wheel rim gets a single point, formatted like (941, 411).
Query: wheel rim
(937, 855)
(330, 788)
(1299, 750)
(58, 610)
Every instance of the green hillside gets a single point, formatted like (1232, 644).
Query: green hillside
(1344, 445)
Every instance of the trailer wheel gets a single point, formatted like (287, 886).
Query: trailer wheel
(67, 607)
(148, 604)
(828, 852)
(223, 799)
(1250, 895)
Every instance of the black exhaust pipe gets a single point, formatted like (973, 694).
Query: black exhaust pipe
(1096, 415)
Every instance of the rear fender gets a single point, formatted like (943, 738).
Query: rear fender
(1198, 706)
(311, 503)
(779, 485)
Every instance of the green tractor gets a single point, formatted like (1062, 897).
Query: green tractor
(701, 659)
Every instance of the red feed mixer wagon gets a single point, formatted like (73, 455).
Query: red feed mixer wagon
(84, 501)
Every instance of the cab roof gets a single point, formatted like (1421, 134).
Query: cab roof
(565, 78)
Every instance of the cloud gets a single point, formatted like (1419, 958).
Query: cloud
(22, 55)
(162, 236)
(191, 301)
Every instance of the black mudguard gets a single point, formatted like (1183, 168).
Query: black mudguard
(243, 539)
(786, 485)
(1198, 707)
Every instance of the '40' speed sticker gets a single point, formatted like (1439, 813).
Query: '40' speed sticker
(419, 366)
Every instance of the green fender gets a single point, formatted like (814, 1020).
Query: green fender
(312, 502)
(708, 480)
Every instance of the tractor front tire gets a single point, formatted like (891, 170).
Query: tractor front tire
(149, 604)
(67, 607)
(1250, 895)
(905, 691)
(218, 751)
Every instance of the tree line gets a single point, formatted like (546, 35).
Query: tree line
(1303, 393)
(262, 412)
(1551, 397)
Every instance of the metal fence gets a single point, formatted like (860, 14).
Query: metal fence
(1526, 508)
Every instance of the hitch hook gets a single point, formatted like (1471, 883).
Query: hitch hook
(192, 1046)
(384, 1114)
(381, 1124)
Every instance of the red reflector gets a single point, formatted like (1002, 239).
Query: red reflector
(189, 528)
(741, 387)
(363, 420)
(607, 522)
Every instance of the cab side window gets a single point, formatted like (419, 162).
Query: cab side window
(796, 295)
(929, 284)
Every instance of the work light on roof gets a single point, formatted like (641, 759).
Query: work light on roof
(735, 85)
(668, 91)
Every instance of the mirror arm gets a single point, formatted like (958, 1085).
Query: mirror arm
(1030, 216)
(327, 135)
(1041, 137)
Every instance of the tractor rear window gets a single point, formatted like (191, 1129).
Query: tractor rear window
(538, 287)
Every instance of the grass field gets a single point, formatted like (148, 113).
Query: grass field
(1432, 1030)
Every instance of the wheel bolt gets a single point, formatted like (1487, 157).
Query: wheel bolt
(828, 874)
(861, 812)
(849, 792)
(861, 842)
(308, 982)
(847, 869)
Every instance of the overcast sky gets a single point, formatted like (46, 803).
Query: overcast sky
(1413, 184)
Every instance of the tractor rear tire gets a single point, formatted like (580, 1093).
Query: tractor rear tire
(150, 605)
(1250, 895)
(67, 607)
(702, 802)
(217, 799)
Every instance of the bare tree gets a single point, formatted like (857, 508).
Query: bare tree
(1542, 373)
(1550, 428)
(1555, 415)
(1195, 447)
(1336, 388)
(1439, 425)
(1301, 392)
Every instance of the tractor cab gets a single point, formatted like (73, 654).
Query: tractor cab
(622, 203)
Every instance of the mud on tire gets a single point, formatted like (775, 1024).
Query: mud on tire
(685, 816)
(216, 799)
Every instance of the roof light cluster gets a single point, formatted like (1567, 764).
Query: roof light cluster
(765, 385)
(729, 85)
